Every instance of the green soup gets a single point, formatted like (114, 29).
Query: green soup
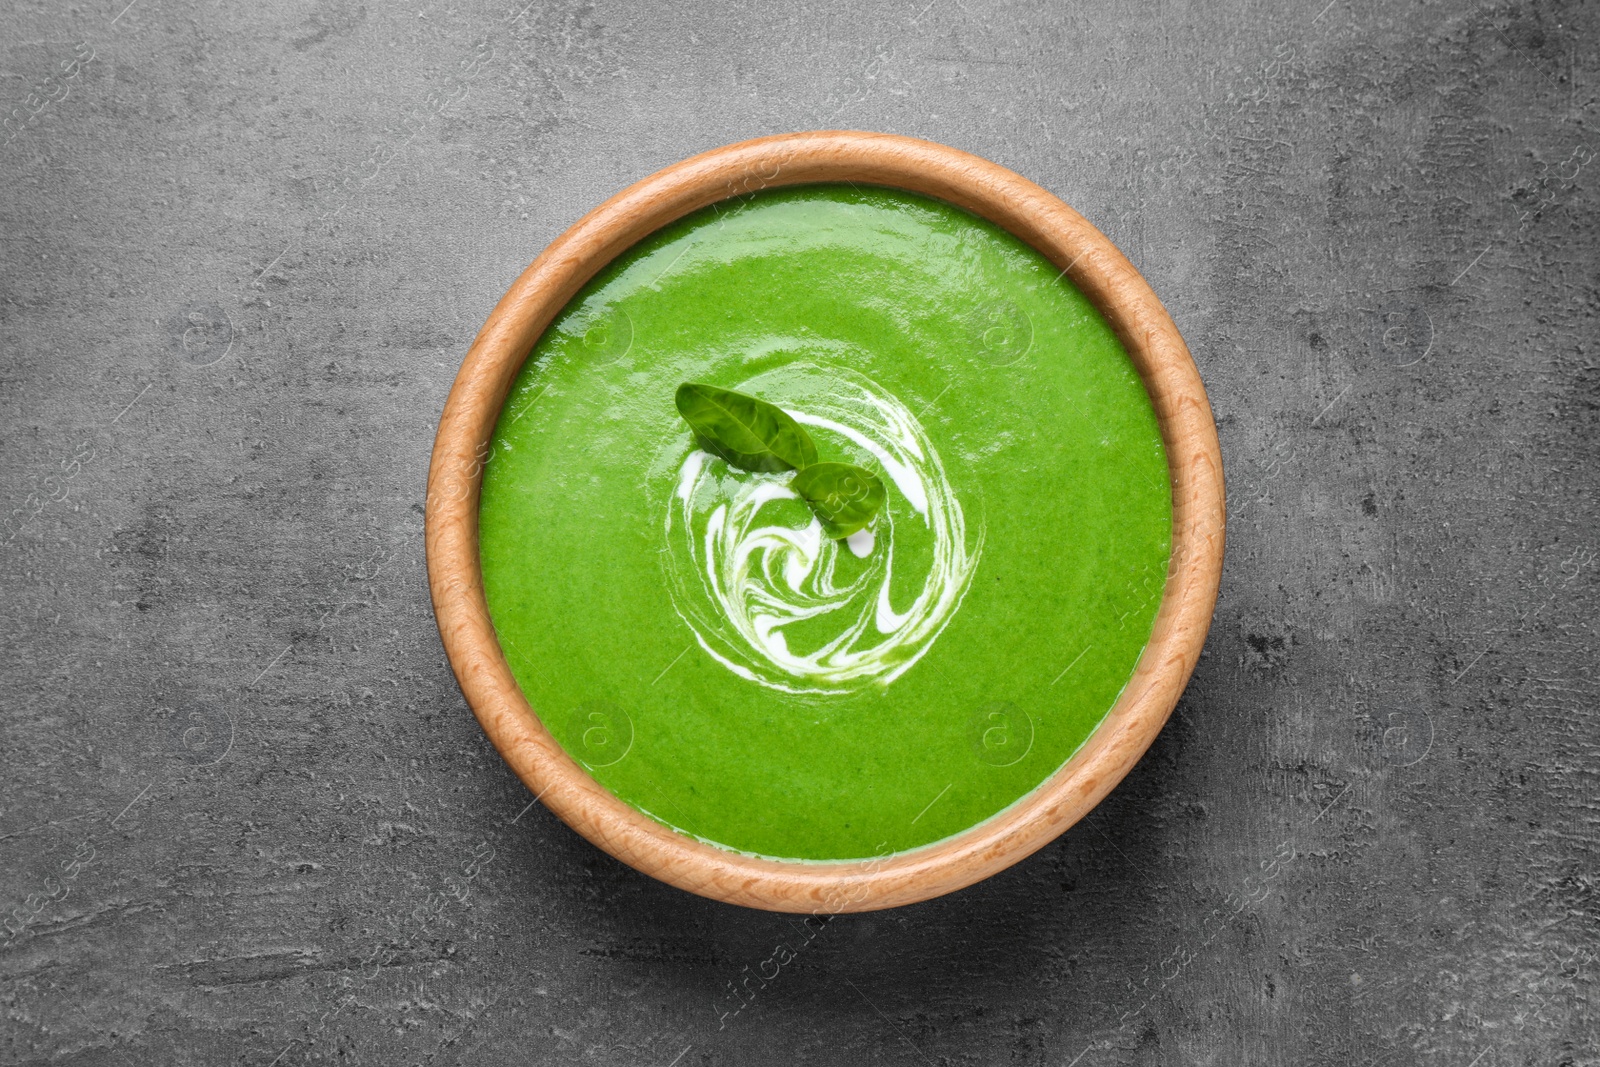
(684, 630)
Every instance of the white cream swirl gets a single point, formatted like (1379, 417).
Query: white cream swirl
(772, 599)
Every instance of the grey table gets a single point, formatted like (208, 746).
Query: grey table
(246, 815)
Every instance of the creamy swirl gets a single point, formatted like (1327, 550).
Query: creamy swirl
(772, 599)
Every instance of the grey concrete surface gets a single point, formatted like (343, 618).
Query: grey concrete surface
(246, 816)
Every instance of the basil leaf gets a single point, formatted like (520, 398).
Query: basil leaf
(750, 434)
(844, 497)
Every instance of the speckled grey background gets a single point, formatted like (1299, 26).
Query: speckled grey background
(246, 817)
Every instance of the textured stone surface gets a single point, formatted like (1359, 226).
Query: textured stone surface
(246, 816)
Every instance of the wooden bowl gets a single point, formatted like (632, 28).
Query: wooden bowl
(981, 187)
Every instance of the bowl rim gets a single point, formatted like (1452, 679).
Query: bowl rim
(990, 191)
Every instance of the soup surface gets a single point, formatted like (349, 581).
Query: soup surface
(686, 632)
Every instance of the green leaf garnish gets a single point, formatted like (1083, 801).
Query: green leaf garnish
(750, 434)
(754, 435)
(844, 497)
